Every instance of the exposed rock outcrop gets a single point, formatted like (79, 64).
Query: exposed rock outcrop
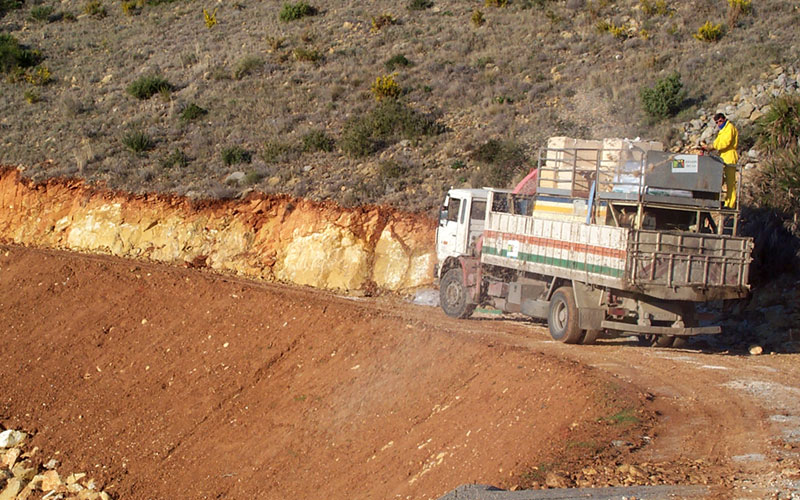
(273, 238)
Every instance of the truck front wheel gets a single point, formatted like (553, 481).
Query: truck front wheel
(453, 295)
(563, 317)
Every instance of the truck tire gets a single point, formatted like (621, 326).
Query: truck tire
(562, 318)
(453, 295)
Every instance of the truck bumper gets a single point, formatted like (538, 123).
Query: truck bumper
(661, 330)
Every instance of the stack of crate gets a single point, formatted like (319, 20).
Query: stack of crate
(573, 164)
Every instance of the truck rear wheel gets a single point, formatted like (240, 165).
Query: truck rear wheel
(453, 295)
(563, 317)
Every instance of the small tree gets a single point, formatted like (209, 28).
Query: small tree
(665, 98)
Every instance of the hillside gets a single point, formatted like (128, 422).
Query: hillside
(289, 106)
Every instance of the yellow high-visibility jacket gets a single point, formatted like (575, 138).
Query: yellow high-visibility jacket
(726, 143)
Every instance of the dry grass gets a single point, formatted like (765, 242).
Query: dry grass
(532, 69)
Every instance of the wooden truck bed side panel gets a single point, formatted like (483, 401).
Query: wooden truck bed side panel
(588, 253)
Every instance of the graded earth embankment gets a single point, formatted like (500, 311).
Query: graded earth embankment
(276, 238)
(167, 382)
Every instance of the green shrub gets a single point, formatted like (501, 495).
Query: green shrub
(13, 56)
(293, 12)
(175, 159)
(41, 13)
(192, 112)
(389, 122)
(779, 128)
(7, 5)
(317, 140)
(246, 66)
(419, 4)
(496, 3)
(502, 160)
(277, 152)
(252, 177)
(397, 60)
(233, 155)
(137, 141)
(776, 183)
(146, 87)
(95, 8)
(665, 98)
(709, 32)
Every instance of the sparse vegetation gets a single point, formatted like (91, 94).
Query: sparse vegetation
(233, 155)
(540, 70)
(7, 5)
(146, 87)
(621, 32)
(390, 121)
(137, 141)
(665, 98)
(501, 162)
(381, 22)
(777, 183)
(96, 9)
(210, 18)
(419, 4)
(247, 66)
(317, 140)
(495, 3)
(32, 97)
(736, 9)
(192, 112)
(278, 151)
(306, 55)
(41, 13)
(709, 32)
(13, 56)
(177, 158)
(656, 8)
(477, 18)
(295, 11)
(396, 61)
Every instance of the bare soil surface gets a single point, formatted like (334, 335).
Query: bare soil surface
(164, 382)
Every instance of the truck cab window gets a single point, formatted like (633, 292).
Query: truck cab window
(452, 209)
(478, 210)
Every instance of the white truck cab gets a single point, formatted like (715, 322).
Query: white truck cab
(461, 222)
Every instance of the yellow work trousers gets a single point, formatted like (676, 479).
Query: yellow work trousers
(730, 183)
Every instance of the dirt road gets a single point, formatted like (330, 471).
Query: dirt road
(165, 382)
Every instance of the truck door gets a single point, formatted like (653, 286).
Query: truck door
(461, 223)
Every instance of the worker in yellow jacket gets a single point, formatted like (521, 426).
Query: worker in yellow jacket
(726, 142)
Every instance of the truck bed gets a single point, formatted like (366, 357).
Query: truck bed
(663, 264)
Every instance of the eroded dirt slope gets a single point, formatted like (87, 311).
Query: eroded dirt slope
(166, 382)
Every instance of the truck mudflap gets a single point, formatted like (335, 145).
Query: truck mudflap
(661, 330)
